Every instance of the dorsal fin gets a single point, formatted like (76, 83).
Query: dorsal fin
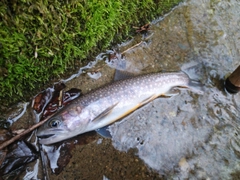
(120, 75)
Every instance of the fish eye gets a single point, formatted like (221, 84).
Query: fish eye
(54, 123)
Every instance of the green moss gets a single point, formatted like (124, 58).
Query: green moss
(39, 40)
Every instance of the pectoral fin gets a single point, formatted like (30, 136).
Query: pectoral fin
(104, 113)
(114, 113)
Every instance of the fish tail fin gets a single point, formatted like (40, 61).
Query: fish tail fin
(194, 70)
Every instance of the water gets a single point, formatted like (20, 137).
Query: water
(191, 136)
(186, 136)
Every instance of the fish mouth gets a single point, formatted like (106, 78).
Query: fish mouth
(45, 136)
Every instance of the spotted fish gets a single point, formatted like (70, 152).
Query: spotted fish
(110, 103)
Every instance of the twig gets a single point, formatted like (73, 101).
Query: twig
(137, 44)
(6, 143)
(132, 47)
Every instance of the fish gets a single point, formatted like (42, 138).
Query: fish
(106, 105)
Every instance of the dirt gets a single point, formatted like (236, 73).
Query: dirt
(93, 161)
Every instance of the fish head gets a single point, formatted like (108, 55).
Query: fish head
(54, 130)
(58, 129)
(66, 124)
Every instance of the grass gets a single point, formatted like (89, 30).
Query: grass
(41, 40)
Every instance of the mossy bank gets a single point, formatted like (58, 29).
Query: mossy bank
(41, 40)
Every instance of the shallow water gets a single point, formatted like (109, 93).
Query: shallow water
(191, 136)
(187, 136)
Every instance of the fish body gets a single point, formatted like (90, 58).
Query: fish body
(108, 104)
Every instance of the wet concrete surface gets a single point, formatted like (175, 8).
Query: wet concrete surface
(188, 136)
